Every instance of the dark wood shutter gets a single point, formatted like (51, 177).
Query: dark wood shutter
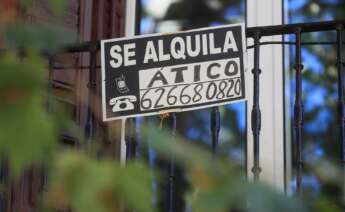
(92, 20)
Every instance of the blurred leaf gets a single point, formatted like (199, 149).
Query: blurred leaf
(262, 198)
(217, 185)
(27, 133)
(57, 5)
(27, 3)
(44, 38)
(89, 185)
(325, 205)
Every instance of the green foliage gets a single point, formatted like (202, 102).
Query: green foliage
(216, 184)
(57, 6)
(44, 37)
(91, 185)
(27, 133)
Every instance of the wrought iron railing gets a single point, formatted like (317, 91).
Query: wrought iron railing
(297, 30)
(255, 33)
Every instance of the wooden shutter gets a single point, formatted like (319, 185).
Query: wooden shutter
(92, 20)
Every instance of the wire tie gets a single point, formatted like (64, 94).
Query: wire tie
(163, 116)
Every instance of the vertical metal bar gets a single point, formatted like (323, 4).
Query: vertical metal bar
(133, 28)
(43, 174)
(256, 112)
(128, 139)
(341, 101)
(171, 194)
(298, 113)
(215, 128)
(90, 127)
(5, 182)
(50, 83)
(131, 139)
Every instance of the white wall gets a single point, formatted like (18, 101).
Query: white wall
(262, 13)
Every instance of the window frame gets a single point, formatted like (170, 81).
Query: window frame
(275, 148)
(273, 144)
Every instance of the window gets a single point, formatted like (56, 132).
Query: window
(171, 16)
(321, 136)
(235, 133)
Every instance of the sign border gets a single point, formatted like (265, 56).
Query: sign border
(104, 105)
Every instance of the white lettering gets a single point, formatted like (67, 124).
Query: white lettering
(178, 53)
(204, 44)
(150, 53)
(128, 52)
(229, 42)
(162, 56)
(196, 51)
(117, 58)
(213, 50)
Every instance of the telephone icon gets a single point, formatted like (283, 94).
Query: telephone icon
(123, 103)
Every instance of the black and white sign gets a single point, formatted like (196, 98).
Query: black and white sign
(151, 74)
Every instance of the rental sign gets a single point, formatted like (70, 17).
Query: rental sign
(153, 74)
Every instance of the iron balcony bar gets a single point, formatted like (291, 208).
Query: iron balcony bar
(90, 125)
(256, 112)
(298, 112)
(215, 128)
(341, 101)
(171, 182)
(291, 28)
(250, 32)
(131, 139)
(81, 47)
(50, 83)
(312, 43)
